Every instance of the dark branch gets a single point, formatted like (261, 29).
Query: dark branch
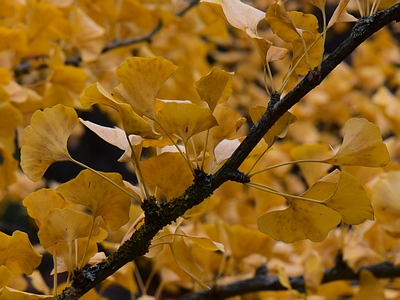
(205, 185)
(263, 282)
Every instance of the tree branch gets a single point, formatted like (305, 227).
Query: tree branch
(262, 282)
(157, 216)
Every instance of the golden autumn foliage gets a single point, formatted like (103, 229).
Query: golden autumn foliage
(182, 83)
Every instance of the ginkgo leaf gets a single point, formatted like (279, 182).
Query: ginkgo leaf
(254, 240)
(70, 259)
(185, 119)
(131, 121)
(65, 225)
(362, 146)
(370, 287)
(281, 23)
(205, 243)
(341, 15)
(184, 259)
(276, 53)
(10, 117)
(301, 220)
(45, 140)
(5, 276)
(141, 78)
(215, 87)
(312, 215)
(350, 199)
(169, 172)
(99, 196)
(238, 14)
(118, 138)
(279, 129)
(318, 3)
(41, 202)
(17, 253)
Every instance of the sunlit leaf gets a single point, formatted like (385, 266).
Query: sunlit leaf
(238, 14)
(185, 119)
(99, 196)
(17, 253)
(279, 129)
(65, 225)
(141, 78)
(362, 146)
(215, 87)
(169, 172)
(45, 140)
(184, 259)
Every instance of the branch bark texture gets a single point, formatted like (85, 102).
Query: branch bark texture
(157, 216)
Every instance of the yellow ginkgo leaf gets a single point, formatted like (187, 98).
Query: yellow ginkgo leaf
(238, 14)
(141, 79)
(45, 140)
(65, 225)
(350, 199)
(301, 220)
(276, 53)
(205, 243)
(184, 259)
(167, 171)
(341, 15)
(262, 46)
(279, 129)
(254, 240)
(318, 3)
(41, 202)
(17, 253)
(362, 146)
(215, 87)
(118, 138)
(99, 196)
(281, 23)
(185, 119)
(370, 287)
(132, 122)
(5, 276)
